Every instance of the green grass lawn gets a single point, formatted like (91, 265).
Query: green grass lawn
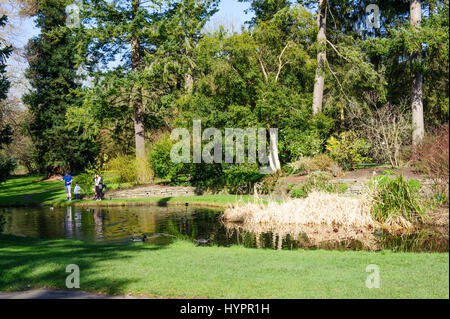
(29, 190)
(184, 270)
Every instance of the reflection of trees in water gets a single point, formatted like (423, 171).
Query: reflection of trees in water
(201, 223)
(68, 225)
(293, 236)
(326, 237)
(2, 222)
(98, 223)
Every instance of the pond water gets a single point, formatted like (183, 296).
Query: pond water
(162, 225)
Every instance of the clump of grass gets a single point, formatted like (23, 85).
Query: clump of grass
(318, 208)
(320, 162)
(318, 181)
(298, 192)
(396, 201)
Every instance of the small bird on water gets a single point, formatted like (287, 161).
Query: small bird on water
(139, 239)
(202, 241)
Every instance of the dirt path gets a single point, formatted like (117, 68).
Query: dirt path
(44, 293)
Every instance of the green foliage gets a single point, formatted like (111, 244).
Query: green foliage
(348, 149)
(7, 165)
(270, 182)
(240, 178)
(298, 192)
(319, 181)
(320, 162)
(342, 188)
(5, 52)
(124, 168)
(160, 161)
(306, 144)
(396, 198)
(55, 88)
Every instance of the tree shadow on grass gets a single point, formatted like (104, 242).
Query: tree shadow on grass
(31, 263)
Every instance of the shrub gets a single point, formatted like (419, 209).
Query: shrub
(7, 165)
(302, 166)
(395, 200)
(124, 167)
(298, 192)
(161, 163)
(307, 143)
(389, 129)
(240, 178)
(342, 188)
(85, 180)
(432, 158)
(348, 149)
(320, 162)
(320, 181)
(269, 182)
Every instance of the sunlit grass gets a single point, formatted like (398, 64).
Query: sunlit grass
(184, 270)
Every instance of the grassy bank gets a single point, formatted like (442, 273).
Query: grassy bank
(183, 270)
(31, 191)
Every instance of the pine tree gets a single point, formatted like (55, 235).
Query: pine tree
(52, 75)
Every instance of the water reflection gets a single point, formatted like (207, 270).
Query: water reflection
(164, 224)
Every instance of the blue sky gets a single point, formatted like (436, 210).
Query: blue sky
(230, 12)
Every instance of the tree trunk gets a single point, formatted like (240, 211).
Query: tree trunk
(138, 110)
(274, 161)
(416, 98)
(321, 57)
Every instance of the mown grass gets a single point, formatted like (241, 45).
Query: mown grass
(30, 190)
(184, 270)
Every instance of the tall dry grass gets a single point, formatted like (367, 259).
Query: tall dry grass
(319, 208)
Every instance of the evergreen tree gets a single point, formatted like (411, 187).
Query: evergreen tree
(5, 130)
(52, 75)
(6, 164)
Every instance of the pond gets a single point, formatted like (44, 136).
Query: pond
(162, 225)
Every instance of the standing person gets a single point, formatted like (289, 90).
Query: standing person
(67, 185)
(98, 186)
(77, 191)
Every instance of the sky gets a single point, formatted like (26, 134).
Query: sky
(231, 14)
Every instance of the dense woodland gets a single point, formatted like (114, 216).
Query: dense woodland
(105, 94)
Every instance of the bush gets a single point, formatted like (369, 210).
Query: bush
(240, 178)
(302, 166)
(319, 181)
(320, 162)
(124, 167)
(348, 149)
(298, 192)
(396, 199)
(85, 180)
(269, 182)
(307, 143)
(7, 165)
(432, 158)
(160, 161)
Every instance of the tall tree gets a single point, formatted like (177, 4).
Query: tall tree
(417, 86)
(321, 56)
(146, 40)
(264, 10)
(53, 79)
(5, 52)
(6, 163)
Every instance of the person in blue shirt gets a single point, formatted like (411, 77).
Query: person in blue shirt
(67, 185)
